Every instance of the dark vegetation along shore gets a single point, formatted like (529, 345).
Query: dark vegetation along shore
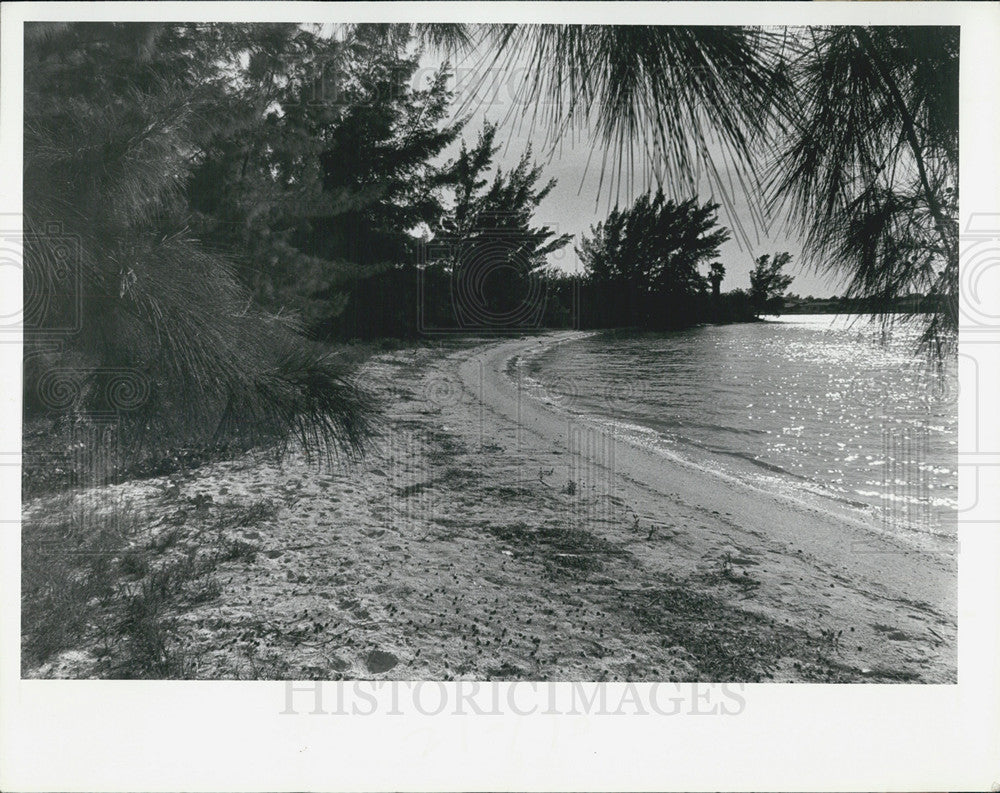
(200, 246)
(231, 230)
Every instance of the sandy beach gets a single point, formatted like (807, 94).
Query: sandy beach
(492, 535)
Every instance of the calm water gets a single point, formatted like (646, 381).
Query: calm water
(803, 404)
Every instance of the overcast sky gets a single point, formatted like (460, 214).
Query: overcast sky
(579, 201)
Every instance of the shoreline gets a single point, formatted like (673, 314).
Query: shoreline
(863, 566)
(460, 550)
(734, 470)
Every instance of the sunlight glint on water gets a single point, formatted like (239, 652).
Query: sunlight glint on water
(807, 402)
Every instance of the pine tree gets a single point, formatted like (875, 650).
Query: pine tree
(869, 165)
(488, 244)
(329, 187)
(848, 133)
(768, 282)
(644, 262)
(117, 117)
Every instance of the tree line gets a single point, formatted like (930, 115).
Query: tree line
(848, 135)
(206, 206)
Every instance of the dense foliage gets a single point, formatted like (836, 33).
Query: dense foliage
(642, 264)
(138, 322)
(337, 172)
(768, 282)
(478, 267)
(203, 202)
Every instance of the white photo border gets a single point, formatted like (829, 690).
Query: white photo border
(126, 736)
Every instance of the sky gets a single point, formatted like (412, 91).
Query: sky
(578, 200)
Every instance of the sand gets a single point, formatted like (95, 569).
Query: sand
(491, 535)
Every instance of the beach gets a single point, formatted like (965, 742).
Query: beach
(491, 535)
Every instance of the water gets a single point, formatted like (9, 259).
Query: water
(807, 404)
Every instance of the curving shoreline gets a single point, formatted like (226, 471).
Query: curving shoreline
(492, 536)
(813, 557)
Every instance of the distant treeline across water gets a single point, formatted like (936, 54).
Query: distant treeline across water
(911, 304)
(409, 301)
